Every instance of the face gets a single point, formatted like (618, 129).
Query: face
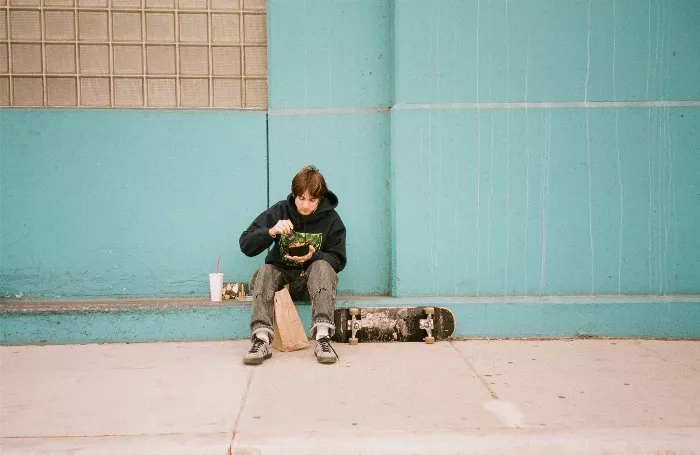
(306, 205)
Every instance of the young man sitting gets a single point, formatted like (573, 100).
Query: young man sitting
(307, 216)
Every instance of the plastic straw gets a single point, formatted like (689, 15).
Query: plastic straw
(218, 259)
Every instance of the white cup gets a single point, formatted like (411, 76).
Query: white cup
(216, 285)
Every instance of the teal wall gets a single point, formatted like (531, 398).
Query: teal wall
(441, 196)
(504, 199)
(126, 203)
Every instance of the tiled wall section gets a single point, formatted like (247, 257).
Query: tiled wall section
(133, 53)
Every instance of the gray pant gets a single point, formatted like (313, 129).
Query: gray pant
(318, 284)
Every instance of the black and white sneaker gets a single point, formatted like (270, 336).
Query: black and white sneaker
(259, 352)
(324, 351)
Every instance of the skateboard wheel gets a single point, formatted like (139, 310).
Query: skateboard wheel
(429, 340)
(429, 310)
(354, 311)
(352, 341)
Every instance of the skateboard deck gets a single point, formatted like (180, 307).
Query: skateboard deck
(379, 324)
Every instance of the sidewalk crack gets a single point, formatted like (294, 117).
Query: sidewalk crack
(471, 367)
(240, 409)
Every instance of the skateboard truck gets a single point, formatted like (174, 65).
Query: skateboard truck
(428, 325)
(354, 324)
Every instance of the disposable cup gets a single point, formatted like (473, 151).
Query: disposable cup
(216, 285)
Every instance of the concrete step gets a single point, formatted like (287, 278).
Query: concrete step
(184, 319)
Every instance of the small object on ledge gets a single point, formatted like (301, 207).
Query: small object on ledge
(235, 290)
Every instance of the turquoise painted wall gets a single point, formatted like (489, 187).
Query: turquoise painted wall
(500, 199)
(487, 200)
(330, 54)
(126, 203)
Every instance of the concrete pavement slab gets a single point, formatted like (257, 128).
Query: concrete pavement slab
(174, 444)
(120, 389)
(633, 441)
(589, 383)
(380, 387)
(686, 352)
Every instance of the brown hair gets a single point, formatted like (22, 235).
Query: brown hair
(309, 178)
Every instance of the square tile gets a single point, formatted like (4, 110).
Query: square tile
(25, 3)
(193, 28)
(25, 25)
(194, 92)
(160, 3)
(194, 60)
(4, 91)
(225, 4)
(3, 25)
(26, 58)
(162, 93)
(116, 4)
(92, 3)
(192, 4)
(60, 58)
(92, 26)
(254, 4)
(225, 28)
(126, 26)
(226, 61)
(66, 3)
(128, 92)
(60, 25)
(256, 93)
(128, 59)
(160, 27)
(94, 91)
(94, 59)
(227, 93)
(255, 27)
(4, 59)
(28, 91)
(256, 61)
(160, 59)
(62, 91)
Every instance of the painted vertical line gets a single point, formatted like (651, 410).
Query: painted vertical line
(544, 192)
(267, 155)
(478, 158)
(488, 204)
(649, 143)
(437, 236)
(617, 149)
(588, 149)
(430, 150)
(505, 278)
(527, 163)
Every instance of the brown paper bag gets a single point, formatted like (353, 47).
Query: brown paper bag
(289, 332)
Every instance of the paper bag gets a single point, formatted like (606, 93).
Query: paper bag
(289, 332)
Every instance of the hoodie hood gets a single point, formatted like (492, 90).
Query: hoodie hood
(330, 202)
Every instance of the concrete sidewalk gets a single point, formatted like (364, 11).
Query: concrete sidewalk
(505, 397)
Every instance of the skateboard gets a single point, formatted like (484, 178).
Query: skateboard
(393, 324)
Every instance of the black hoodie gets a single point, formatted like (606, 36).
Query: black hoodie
(323, 229)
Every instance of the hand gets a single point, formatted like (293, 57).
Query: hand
(282, 227)
(301, 258)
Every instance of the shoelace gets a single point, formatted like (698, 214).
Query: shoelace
(257, 344)
(325, 343)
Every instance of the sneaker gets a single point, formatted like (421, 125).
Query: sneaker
(259, 351)
(324, 351)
